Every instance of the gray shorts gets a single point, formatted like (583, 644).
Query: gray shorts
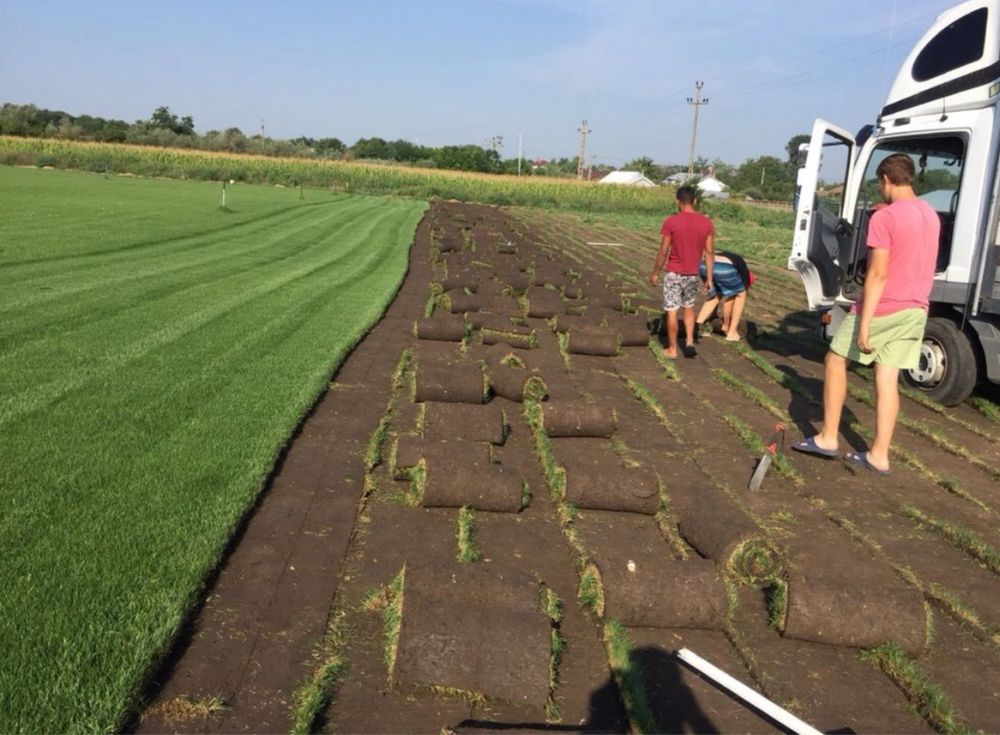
(679, 291)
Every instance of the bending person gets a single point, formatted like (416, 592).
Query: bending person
(731, 280)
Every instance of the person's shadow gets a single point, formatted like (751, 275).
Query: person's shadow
(673, 707)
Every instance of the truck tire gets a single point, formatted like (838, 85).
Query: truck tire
(947, 370)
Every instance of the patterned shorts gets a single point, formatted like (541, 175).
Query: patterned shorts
(679, 291)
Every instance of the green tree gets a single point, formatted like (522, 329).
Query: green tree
(792, 147)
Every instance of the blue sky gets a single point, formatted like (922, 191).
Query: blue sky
(445, 71)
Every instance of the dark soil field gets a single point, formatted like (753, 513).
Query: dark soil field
(515, 525)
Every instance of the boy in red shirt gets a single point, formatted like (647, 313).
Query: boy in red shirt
(687, 240)
(887, 325)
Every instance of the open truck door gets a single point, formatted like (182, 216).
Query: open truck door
(823, 237)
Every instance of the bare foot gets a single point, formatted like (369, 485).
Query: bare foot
(732, 338)
(671, 353)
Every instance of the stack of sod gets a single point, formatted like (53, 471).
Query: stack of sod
(442, 327)
(544, 302)
(577, 418)
(472, 423)
(451, 383)
(640, 588)
(592, 340)
(461, 474)
(839, 607)
(516, 384)
(718, 529)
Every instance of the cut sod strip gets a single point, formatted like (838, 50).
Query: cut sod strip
(469, 628)
(929, 701)
(155, 356)
(467, 551)
(553, 607)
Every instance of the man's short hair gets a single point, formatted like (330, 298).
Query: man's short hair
(687, 195)
(898, 168)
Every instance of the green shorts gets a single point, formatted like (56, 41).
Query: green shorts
(895, 338)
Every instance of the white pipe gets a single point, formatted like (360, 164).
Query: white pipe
(745, 693)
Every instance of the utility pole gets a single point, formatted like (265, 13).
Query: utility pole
(697, 101)
(584, 131)
(520, 150)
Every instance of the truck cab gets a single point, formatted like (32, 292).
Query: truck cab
(942, 112)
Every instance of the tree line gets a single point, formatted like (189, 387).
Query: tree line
(765, 177)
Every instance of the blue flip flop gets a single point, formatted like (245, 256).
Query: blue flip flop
(809, 446)
(860, 459)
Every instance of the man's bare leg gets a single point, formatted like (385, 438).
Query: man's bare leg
(671, 349)
(733, 333)
(886, 410)
(688, 326)
(707, 309)
(834, 395)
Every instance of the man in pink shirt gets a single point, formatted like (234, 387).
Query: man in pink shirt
(687, 239)
(887, 325)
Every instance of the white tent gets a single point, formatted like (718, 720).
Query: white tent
(628, 178)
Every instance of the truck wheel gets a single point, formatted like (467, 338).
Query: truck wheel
(947, 369)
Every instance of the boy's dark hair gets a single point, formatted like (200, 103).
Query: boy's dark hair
(898, 168)
(687, 194)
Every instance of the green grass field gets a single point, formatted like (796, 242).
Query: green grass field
(156, 352)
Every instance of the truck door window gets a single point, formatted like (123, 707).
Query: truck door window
(939, 162)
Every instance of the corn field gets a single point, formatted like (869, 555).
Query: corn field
(362, 178)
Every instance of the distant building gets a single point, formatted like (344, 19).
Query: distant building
(708, 186)
(711, 188)
(627, 178)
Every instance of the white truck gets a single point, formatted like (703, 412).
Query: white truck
(942, 110)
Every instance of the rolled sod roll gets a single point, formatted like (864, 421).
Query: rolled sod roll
(492, 320)
(507, 248)
(502, 353)
(516, 384)
(633, 329)
(407, 454)
(517, 281)
(544, 302)
(489, 289)
(458, 475)
(656, 591)
(718, 529)
(572, 292)
(601, 297)
(577, 418)
(457, 282)
(443, 328)
(592, 340)
(841, 610)
(609, 486)
(451, 242)
(457, 301)
(450, 383)
(443, 421)
(563, 323)
(525, 340)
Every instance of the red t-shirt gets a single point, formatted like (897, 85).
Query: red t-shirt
(688, 232)
(909, 229)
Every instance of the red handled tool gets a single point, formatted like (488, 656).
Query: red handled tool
(774, 445)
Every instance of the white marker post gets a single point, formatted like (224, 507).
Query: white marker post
(748, 695)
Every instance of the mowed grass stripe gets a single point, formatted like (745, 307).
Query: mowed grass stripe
(129, 334)
(119, 497)
(53, 284)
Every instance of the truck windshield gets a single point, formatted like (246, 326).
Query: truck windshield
(939, 162)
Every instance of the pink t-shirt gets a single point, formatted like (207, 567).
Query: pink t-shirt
(688, 232)
(909, 229)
